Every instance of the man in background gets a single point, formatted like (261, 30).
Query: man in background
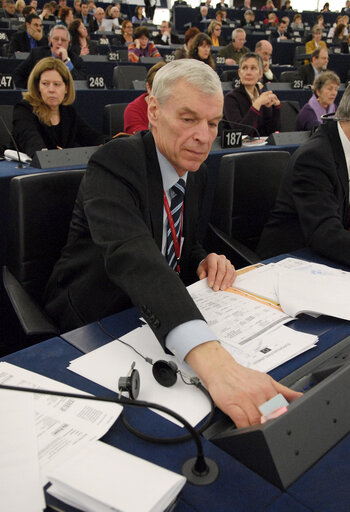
(264, 49)
(165, 36)
(59, 38)
(319, 63)
(312, 206)
(31, 37)
(235, 50)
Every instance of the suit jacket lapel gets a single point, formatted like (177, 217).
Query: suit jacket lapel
(155, 189)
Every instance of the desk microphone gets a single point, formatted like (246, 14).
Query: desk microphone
(238, 124)
(20, 165)
(198, 470)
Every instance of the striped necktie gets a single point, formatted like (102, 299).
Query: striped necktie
(176, 212)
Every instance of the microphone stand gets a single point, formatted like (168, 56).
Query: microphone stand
(198, 470)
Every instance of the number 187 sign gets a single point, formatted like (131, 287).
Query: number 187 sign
(231, 139)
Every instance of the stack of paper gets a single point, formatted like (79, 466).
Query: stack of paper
(101, 478)
(300, 287)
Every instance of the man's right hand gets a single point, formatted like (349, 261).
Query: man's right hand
(236, 390)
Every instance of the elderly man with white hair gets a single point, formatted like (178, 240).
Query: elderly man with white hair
(133, 238)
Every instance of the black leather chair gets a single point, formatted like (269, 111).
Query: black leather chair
(113, 118)
(289, 76)
(40, 212)
(246, 189)
(289, 112)
(123, 76)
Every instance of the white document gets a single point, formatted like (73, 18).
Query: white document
(60, 422)
(11, 154)
(233, 317)
(102, 478)
(20, 484)
(107, 25)
(300, 287)
(266, 352)
(307, 292)
(106, 364)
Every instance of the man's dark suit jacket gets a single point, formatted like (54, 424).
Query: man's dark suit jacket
(313, 201)
(307, 74)
(93, 26)
(89, 18)
(173, 39)
(22, 71)
(275, 35)
(113, 255)
(20, 42)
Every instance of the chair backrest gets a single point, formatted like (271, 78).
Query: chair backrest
(21, 55)
(123, 76)
(299, 56)
(6, 114)
(228, 75)
(139, 85)
(289, 76)
(150, 60)
(40, 212)
(279, 86)
(113, 118)
(246, 189)
(289, 111)
(226, 86)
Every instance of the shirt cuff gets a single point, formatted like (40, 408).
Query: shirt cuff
(69, 65)
(183, 338)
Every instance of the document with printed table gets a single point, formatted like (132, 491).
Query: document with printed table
(60, 423)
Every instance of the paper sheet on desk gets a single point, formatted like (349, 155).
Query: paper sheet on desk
(106, 364)
(300, 286)
(20, 483)
(102, 478)
(301, 292)
(60, 422)
(266, 352)
(12, 155)
(251, 330)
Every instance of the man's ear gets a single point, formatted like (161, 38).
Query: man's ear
(153, 109)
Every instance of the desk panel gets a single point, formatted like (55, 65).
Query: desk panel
(323, 488)
(237, 488)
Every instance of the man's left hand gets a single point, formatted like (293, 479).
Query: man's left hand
(219, 271)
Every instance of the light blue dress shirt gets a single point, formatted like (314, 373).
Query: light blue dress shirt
(188, 335)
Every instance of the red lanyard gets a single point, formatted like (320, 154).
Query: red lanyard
(173, 230)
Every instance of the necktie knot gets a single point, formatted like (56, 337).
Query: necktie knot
(179, 188)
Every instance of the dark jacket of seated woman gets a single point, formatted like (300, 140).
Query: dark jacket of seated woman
(32, 135)
(238, 109)
(46, 118)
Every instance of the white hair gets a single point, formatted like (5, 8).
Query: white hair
(194, 72)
